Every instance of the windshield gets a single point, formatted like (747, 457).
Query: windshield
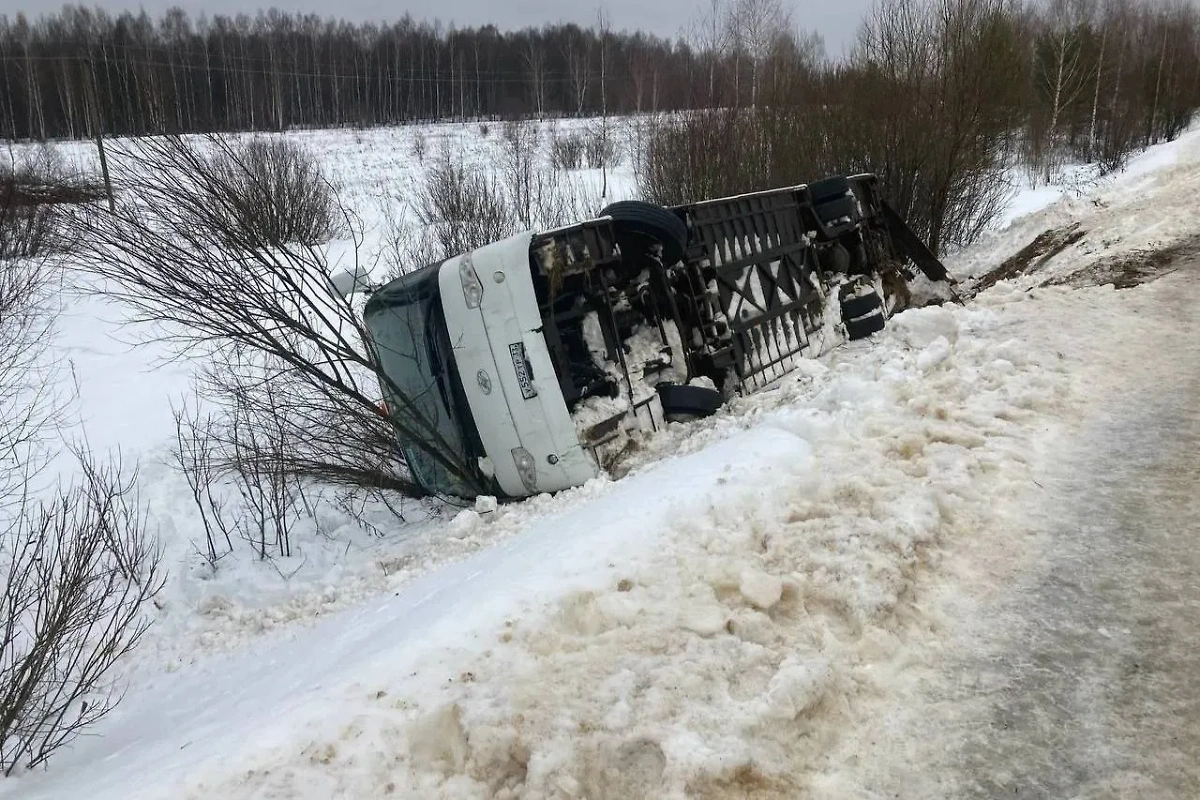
(421, 389)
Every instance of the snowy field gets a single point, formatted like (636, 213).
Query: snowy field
(718, 623)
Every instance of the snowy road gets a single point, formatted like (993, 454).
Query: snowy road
(1081, 678)
(1097, 691)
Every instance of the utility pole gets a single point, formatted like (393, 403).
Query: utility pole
(603, 25)
(94, 109)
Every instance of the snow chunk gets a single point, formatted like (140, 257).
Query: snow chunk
(935, 354)
(919, 327)
(703, 620)
(797, 687)
(760, 589)
(810, 368)
(465, 523)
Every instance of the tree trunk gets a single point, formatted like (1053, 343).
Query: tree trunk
(1096, 96)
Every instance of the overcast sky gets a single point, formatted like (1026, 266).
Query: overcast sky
(836, 20)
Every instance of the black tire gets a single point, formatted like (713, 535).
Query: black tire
(828, 189)
(635, 221)
(853, 307)
(833, 210)
(862, 328)
(681, 403)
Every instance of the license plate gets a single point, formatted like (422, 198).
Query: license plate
(521, 366)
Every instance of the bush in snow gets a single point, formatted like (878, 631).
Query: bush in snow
(76, 569)
(79, 572)
(928, 102)
(456, 207)
(33, 188)
(273, 189)
(461, 207)
(566, 151)
(279, 341)
(419, 146)
(520, 169)
(601, 148)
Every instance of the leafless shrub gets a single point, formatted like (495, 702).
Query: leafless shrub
(519, 167)
(274, 188)
(926, 103)
(76, 569)
(461, 207)
(79, 571)
(196, 458)
(28, 401)
(263, 314)
(257, 437)
(601, 147)
(566, 151)
(1116, 145)
(484, 129)
(419, 146)
(699, 155)
(33, 187)
(454, 207)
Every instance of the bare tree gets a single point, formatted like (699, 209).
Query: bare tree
(78, 574)
(713, 37)
(197, 459)
(265, 311)
(577, 52)
(603, 26)
(535, 61)
(1061, 75)
(759, 23)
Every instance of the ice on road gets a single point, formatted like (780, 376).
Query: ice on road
(1081, 678)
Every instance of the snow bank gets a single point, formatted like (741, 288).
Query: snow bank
(706, 626)
(931, 734)
(1147, 206)
(700, 627)
(715, 646)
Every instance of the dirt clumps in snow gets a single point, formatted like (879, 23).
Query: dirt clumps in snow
(1135, 267)
(1029, 258)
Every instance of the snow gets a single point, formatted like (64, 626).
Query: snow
(1083, 573)
(763, 570)
(721, 619)
(1147, 206)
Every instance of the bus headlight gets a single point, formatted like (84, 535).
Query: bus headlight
(472, 288)
(526, 468)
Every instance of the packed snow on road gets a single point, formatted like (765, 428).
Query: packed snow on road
(727, 617)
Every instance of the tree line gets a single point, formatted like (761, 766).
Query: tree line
(1071, 78)
(942, 99)
(277, 70)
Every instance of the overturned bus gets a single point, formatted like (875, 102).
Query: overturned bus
(530, 364)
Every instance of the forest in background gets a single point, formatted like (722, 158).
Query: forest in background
(1073, 66)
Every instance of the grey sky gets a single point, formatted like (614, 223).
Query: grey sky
(836, 20)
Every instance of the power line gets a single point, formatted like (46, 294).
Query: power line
(452, 76)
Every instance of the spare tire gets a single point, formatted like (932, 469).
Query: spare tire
(634, 222)
(681, 402)
(853, 307)
(864, 327)
(828, 189)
